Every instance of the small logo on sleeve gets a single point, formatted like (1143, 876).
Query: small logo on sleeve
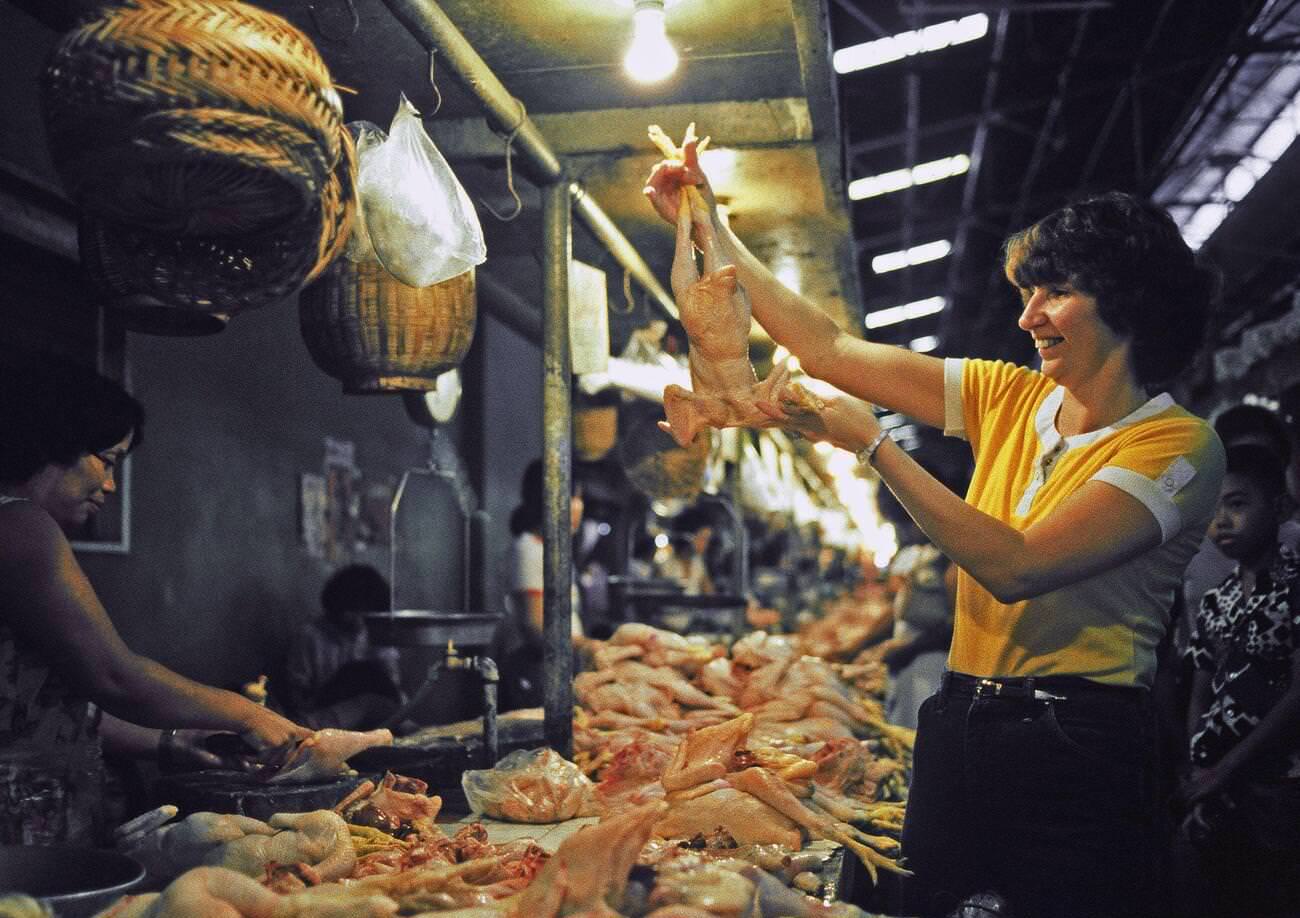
(1176, 476)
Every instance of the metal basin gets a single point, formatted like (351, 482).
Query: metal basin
(220, 791)
(428, 628)
(74, 882)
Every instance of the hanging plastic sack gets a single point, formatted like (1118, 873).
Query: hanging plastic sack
(420, 220)
(367, 137)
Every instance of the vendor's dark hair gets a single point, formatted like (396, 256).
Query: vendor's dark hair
(56, 412)
(1127, 253)
(352, 589)
(1260, 465)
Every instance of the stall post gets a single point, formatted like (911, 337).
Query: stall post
(557, 472)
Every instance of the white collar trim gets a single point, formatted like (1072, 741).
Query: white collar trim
(1050, 438)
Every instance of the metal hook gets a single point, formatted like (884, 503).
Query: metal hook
(434, 83)
(510, 176)
(352, 12)
(627, 296)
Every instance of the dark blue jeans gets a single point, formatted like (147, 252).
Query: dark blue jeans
(1049, 803)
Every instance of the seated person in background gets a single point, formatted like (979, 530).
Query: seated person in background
(521, 641)
(336, 677)
(1242, 793)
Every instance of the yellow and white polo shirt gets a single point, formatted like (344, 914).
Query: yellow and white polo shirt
(1106, 627)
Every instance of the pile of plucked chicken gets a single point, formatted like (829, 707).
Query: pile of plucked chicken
(711, 771)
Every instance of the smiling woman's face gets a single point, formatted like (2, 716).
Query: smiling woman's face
(77, 491)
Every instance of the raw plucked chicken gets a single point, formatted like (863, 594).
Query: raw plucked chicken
(716, 315)
(589, 871)
(216, 892)
(319, 839)
(325, 754)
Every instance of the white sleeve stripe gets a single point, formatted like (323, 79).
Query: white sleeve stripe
(954, 419)
(1149, 493)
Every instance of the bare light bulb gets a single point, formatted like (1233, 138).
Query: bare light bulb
(651, 57)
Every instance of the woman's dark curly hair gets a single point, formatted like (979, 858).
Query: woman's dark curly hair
(56, 412)
(1127, 254)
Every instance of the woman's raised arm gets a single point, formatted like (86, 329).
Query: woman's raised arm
(894, 377)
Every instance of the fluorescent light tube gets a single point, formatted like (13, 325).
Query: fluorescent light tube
(916, 255)
(905, 44)
(908, 311)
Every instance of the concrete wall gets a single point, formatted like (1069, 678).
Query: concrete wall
(217, 578)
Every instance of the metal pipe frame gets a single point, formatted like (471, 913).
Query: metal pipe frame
(431, 27)
(557, 471)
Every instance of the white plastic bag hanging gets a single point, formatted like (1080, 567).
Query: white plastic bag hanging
(368, 138)
(421, 222)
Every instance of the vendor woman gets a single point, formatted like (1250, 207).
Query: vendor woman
(65, 430)
(1034, 769)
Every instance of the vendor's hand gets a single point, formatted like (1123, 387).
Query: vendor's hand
(839, 419)
(669, 176)
(273, 737)
(185, 750)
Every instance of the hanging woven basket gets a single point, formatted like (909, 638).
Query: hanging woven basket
(195, 117)
(185, 285)
(375, 334)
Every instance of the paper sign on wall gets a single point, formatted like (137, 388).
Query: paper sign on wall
(588, 319)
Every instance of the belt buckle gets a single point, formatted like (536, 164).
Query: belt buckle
(987, 687)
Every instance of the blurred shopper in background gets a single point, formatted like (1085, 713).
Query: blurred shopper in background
(521, 640)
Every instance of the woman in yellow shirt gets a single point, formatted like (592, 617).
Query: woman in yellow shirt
(1035, 763)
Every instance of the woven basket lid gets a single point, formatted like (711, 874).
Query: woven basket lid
(208, 117)
(207, 279)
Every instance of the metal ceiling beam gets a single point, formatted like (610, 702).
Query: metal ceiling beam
(813, 41)
(1050, 118)
(861, 18)
(968, 190)
(620, 130)
(1128, 89)
(431, 27)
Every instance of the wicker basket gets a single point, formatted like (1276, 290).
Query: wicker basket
(178, 285)
(203, 117)
(595, 430)
(375, 334)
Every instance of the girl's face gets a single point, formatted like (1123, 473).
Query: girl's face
(1071, 339)
(77, 491)
(1245, 524)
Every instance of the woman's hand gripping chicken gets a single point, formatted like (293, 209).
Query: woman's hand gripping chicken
(725, 390)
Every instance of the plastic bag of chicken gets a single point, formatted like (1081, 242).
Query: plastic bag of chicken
(422, 224)
(531, 785)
